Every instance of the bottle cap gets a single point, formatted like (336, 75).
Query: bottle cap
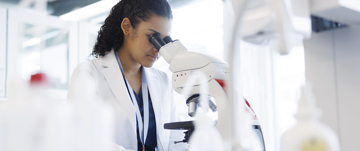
(38, 78)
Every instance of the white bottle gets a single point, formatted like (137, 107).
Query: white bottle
(309, 134)
(30, 120)
(205, 137)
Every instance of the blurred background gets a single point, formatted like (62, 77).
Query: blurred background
(56, 40)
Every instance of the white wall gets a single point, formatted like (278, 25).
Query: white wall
(320, 72)
(347, 60)
(3, 17)
(332, 61)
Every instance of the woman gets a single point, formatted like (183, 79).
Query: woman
(122, 51)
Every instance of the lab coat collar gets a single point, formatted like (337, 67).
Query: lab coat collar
(114, 77)
(155, 94)
(111, 71)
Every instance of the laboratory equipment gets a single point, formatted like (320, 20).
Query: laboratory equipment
(264, 22)
(331, 53)
(31, 120)
(206, 137)
(183, 64)
(309, 133)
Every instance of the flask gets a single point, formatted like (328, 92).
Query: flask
(309, 134)
(205, 137)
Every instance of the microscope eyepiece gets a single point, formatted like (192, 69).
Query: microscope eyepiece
(167, 39)
(156, 41)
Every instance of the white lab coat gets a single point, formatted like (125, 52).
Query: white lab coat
(104, 73)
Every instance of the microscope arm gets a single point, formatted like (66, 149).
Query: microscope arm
(183, 63)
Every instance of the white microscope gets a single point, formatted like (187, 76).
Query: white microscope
(182, 64)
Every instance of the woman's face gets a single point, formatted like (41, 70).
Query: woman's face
(137, 42)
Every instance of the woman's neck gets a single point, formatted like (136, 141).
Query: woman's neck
(130, 66)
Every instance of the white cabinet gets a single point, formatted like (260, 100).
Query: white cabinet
(344, 11)
(40, 43)
(332, 67)
(32, 42)
(347, 66)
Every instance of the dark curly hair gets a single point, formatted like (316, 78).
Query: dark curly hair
(111, 35)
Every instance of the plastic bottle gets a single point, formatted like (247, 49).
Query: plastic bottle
(205, 136)
(309, 134)
(30, 120)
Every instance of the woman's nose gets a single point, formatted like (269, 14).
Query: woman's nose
(154, 49)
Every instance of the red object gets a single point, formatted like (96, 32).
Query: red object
(248, 104)
(38, 78)
(222, 84)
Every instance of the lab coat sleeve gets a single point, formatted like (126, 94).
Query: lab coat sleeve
(82, 85)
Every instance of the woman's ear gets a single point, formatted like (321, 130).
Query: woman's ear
(126, 26)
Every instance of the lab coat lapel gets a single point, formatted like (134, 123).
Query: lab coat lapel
(155, 94)
(115, 80)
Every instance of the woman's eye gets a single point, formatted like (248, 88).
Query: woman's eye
(148, 35)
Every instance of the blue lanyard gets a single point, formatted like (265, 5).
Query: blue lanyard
(144, 88)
